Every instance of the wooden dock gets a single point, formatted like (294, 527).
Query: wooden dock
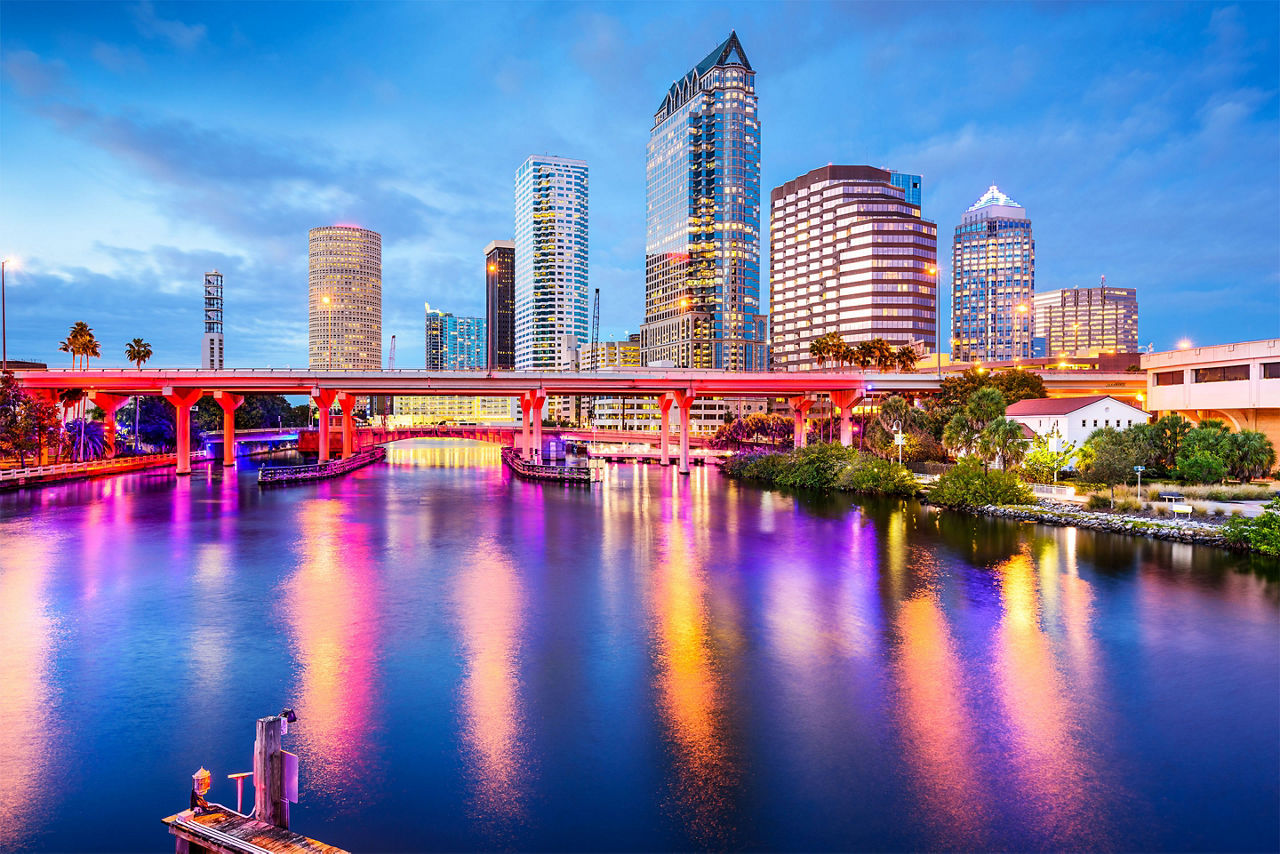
(284, 475)
(584, 475)
(225, 831)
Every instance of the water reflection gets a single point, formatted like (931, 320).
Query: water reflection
(690, 690)
(330, 602)
(490, 604)
(28, 728)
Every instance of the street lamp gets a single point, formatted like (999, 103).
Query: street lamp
(4, 320)
(932, 271)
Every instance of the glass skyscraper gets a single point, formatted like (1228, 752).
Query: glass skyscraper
(702, 234)
(500, 302)
(909, 184)
(550, 262)
(993, 280)
(454, 343)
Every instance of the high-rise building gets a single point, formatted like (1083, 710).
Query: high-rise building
(345, 300)
(500, 303)
(848, 254)
(454, 343)
(550, 260)
(909, 184)
(1087, 321)
(611, 354)
(702, 226)
(993, 279)
(211, 341)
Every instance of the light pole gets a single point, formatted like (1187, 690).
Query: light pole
(4, 321)
(932, 270)
(1022, 309)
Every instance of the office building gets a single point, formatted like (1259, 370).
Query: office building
(550, 261)
(500, 303)
(211, 351)
(1087, 321)
(611, 354)
(345, 299)
(993, 280)
(454, 343)
(848, 254)
(702, 227)
(909, 184)
(425, 410)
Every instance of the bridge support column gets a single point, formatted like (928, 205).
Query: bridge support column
(229, 403)
(684, 401)
(800, 407)
(324, 402)
(183, 399)
(110, 404)
(664, 449)
(846, 400)
(531, 411)
(347, 403)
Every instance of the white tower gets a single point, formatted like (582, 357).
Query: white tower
(211, 343)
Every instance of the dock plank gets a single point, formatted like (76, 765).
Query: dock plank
(225, 830)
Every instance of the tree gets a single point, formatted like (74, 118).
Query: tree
(1168, 434)
(1249, 455)
(27, 424)
(906, 358)
(863, 355)
(965, 427)
(1014, 384)
(90, 440)
(884, 356)
(138, 352)
(1201, 466)
(1110, 458)
(1002, 439)
(1042, 463)
(1202, 455)
(820, 350)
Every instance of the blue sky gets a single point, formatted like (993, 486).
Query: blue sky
(141, 144)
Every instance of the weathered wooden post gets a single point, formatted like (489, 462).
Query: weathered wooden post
(269, 804)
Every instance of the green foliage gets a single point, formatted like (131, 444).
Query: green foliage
(815, 466)
(967, 484)
(1002, 439)
(1167, 436)
(1201, 467)
(1097, 502)
(754, 429)
(1109, 456)
(1014, 385)
(1042, 463)
(824, 467)
(963, 431)
(27, 424)
(1261, 533)
(1249, 455)
(869, 475)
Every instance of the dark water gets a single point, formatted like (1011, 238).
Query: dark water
(656, 663)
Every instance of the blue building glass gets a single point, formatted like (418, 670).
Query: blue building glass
(455, 343)
(909, 184)
(702, 235)
(993, 280)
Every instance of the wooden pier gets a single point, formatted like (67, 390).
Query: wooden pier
(225, 831)
(585, 475)
(284, 475)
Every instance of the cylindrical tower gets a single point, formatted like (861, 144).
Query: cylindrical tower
(345, 300)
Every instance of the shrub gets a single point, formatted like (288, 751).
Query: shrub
(967, 485)
(1201, 467)
(815, 466)
(1261, 533)
(1097, 502)
(1161, 509)
(1237, 513)
(1218, 511)
(873, 476)
(1129, 505)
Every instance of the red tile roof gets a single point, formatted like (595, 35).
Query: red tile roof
(1054, 405)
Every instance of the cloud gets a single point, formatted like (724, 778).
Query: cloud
(117, 59)
(32, 76)
(180, 35)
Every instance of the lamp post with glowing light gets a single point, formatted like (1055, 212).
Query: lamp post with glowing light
(1022, 309)
(4, 320)
(932, 271)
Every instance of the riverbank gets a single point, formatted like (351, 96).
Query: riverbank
(1072, 516)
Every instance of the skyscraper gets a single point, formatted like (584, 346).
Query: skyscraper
(1087, 321)
(345, 300)
(993, 278)
(849, 254)
(702, 228)
(454, 343)
(500, 303)
(910, 185)
(550, 260)
(211, 341)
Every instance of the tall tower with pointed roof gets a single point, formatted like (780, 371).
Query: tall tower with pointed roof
(993, 281)
(702, 224)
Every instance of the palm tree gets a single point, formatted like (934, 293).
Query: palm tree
(1251, 455)
(863, 355)
(138, 352)
(959, 435)
(1002, 438)
(820, 349)
(886, 358)
(906, 358)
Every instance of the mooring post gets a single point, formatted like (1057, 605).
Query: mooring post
(269, 804)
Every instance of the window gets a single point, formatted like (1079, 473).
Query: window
(1084, 422)
(1271, 370)
(1226, 373)
(1095, 422)
(1170, 378)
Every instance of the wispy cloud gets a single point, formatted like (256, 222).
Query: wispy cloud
(180, 35)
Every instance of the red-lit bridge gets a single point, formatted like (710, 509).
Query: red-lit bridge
(110, 389)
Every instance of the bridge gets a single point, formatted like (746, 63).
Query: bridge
(676, 388)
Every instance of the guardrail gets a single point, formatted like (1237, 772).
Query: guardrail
(541, 471)
(1049, 490)
(87, 467)
(319, 471)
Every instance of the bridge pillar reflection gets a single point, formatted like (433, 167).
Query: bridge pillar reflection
(347, 403)
(229, 403)
(846, 400)
(800, 407)
(531, 403)
(324, 402)
(684, 401)
(110, 404)
(664, 449)
(183, 399)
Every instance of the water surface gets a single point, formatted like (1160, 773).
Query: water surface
(657, 662)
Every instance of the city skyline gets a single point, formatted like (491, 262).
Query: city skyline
(1141, 141)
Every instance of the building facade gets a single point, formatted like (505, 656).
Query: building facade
(550, 260)
(1087, 321)
(702, 224)
(611, 354)
(909, 184)
(993, 280)
(500, 304)
(454, 343)
(211, 343)
(1072, 420)
(345, 299)
(425, 410)
(848, 254)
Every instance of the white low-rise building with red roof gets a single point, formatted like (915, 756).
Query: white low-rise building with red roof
(1073, 419)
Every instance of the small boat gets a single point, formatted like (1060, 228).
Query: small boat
(283, 475)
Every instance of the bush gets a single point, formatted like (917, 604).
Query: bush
(1098, 502)
(1202, 467)
(1262, 533)
(815, 466)
(1129, 505)
(874, 476)
(824, 467)
(967, 485)
(1161, 509)
(1218, 511)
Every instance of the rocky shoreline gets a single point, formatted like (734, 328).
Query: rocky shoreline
(1071, 515)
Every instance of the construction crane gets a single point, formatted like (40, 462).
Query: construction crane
(595, 333)
(391, 360)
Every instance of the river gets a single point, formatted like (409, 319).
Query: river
(656, 662)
